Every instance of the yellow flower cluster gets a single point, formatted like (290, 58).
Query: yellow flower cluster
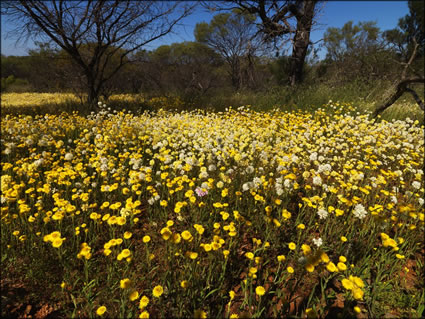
(85, 251)
(54, 238)
(355, 285)
(387, 241)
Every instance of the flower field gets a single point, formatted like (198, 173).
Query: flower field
(18, 101)
(35, 99)
(200, 214)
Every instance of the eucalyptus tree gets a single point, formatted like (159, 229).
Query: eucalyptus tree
(234, 36)
(279, 20)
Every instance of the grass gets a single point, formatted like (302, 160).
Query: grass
(308, 97)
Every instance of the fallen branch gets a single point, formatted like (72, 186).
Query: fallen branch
(416, 97)
(402, 86)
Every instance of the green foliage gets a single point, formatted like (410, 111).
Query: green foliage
(6, 82)
(233, 36)
(12, 84)
(349, 39)
(410, 26)
(222, 25)
(280, 69)
(185, 53)
(227, 33)
(357, 53)
(188, 69)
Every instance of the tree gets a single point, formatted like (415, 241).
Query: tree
(233, 36)
(408, 42)
(276, 22)
(42, 78)
(410, 26)
(402, 85)
(107, 27)
(350, 39)
(30, 69)
(195, 67)
(187, 68)
(356, 51)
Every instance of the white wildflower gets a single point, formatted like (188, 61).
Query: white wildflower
(250, 170)
(68, 157)
(359, 211)
(326, 168)
(256, 181)
(313, 157)
(416, 185)
(317, 241)
(394, 199)
(38, 162)
(317, 180)
(279, 190)
(124, 212)
(203, 175)
(205, 185)
(294, 159)
(323, 213)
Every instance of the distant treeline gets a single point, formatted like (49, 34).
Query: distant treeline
(359, 53)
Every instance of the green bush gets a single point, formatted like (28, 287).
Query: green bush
(12, 84)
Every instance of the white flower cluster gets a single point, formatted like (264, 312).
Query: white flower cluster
(359, 211)
(317, 180)
(68, 157)
(318, 241)
(416, 185)
(323, 213)
(324, 168)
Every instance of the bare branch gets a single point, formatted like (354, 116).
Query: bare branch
(412, 57)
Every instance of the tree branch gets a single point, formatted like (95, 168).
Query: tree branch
(401, 87)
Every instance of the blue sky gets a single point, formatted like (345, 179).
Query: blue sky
(334, 14)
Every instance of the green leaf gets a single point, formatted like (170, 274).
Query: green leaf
(420, 310)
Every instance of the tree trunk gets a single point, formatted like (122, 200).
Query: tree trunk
(92, 92)
(251, 72)
(301, 42)
(92, 97)
(236, 74)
